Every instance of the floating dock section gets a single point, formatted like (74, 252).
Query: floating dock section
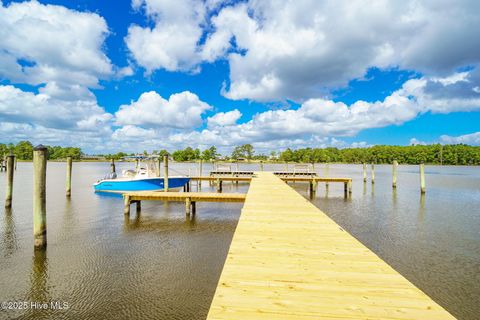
(288, 260)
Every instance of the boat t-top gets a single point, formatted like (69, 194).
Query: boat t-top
(145, 177)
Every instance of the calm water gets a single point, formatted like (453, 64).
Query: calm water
(160, 265)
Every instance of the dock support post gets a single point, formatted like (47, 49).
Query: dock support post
(112, 165)
(373, 173)
(349, 185)
(165, 173)
(139, 206)
(219, 185)
(194, 207)
(68, 186)
(40, 155)
(345, 189)
(364, 172)
(126, 205)
(188, 203)
(422, 178)
(394, 174)
(10, 167)
(326, 173)
(313, 187)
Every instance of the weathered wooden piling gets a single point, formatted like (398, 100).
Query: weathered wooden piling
(219, 185)
(165, 173)
(112, 165)
(394, 174)
(9, 190)
(194, 207)
(40, 155)
(126, 204)
(373, 173)
(188, 204)
(68, 182)
(313, 187)
(364, 172)
(422, 178)
(326, 173)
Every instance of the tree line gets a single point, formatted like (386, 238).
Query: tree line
(459, 154)
(23, 150)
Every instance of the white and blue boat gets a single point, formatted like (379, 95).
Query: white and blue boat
(143, 178)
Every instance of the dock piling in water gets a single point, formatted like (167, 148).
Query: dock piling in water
(10, 168)
(126, 204)
(112, 165)
(165, 176)
(188, 204)
(422, 178)
(373, 173)
(394, 174)
(364, 172)
(40, 155)
(69, 177)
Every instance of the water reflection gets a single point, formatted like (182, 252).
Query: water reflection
(9, 234)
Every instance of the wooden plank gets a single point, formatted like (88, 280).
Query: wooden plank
(288, 260)
(181, 196)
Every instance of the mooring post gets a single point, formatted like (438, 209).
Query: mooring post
(345, 189)
(40, 155)
(364, 172)
(112, 165)
(139, 206)
(68, 181)
(126, 204)
(194, 207)
(10, 168)
(326, 173)
(137, 164)
(349, 187)
(219, 185)
(261, 165)
(188, 203)
(165, 174)
(394, 174)
(373, 173)
(422, 178)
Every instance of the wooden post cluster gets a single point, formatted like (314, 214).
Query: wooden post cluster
(40, 155)
(68, 183)
(165, 175)
(373, 173)
(364, 172)
(9, 190)
(394, 174)
(422, 178)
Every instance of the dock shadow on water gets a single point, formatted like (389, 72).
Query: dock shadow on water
(99, 264)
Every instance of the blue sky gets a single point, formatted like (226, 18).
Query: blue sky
(154, 74)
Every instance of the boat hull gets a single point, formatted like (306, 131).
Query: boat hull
(147, 184)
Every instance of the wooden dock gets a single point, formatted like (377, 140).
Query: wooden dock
(288, 260)
(190, 198)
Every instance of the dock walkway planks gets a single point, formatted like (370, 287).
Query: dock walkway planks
(181, 196)
(288, 260)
